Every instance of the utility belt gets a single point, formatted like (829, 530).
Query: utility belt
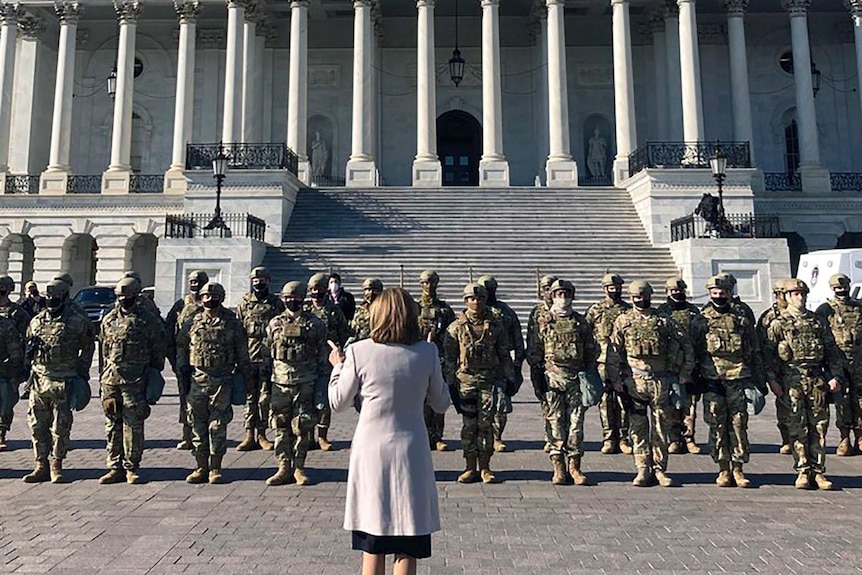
(807, 370)
(648, 374)
(214, 371)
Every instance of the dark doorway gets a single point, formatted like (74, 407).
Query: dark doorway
(459, 145)
(791, 147)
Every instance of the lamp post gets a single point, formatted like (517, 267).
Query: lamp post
(718, 164)
(456, 62)
(219, 171)
(112, 82)
(815, 78)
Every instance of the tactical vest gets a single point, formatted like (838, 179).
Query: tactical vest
(646, 338)
(362, 322)
(58, 345)
(124, 339)
(563, 345)
(290, 341)
(429, 319)
(477, 346)
(607, 315)
(210, 344)
(724, 336)
(803, 341)
(846, 326)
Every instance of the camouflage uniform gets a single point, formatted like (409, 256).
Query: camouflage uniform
(771, 362)
(132, 342)
(11, 364)
(20, 319)
(337, 331)
(297, 345)
(360, 325)
(181, 312)
(537, 370)
(435, 316)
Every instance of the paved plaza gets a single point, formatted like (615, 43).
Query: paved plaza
(523, 525)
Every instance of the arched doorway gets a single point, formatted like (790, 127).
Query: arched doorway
(459, 145)
(17, 255)
(141, 257)
(79, 259)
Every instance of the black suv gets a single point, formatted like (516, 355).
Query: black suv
(96, 301)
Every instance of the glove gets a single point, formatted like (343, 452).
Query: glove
(456, 399)
(321, 398)
(512, 387)
(754, 400)
(540, 384)
(677, 393)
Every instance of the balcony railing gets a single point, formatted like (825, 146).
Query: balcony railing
(192, 226)
(84, 184)
(733, 226)
(843, 181)
(327, 181)
(782, 181)
(687, 155)
(22, 184)
(595, 181)
(147, 184)
(243, 157)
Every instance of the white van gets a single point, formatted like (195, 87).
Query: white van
(815, 269)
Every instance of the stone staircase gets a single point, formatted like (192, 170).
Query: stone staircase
(577, 234)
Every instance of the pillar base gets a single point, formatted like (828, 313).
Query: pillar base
(561, 173)
(53, 182)
(427, 174)
(176, 182)
(116, 181)
(303, 172)
(815, 179)
(493, 173)
(361, 174)
(621, 170)
(3, 175)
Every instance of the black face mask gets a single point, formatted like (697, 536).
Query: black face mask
(293, 305)
(3, 293)
(615, 296)
(211, 303)
(719, 302)
(55, 305)
(128, 303)
(642, 304)
(678, 298)
(842, 293)
(260, 289)
(195, 288)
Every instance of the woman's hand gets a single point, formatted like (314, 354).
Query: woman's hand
(336, 356)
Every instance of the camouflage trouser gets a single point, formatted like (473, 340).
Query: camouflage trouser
(727, 416)
(849, 415)
(808, 420)
(650, 404)
(500, 421)
(50, 418)
(293, 418)
(566, 420)
(10, 389)
(782, 414)
(683, 420)
(184, 404)
(324, 417)
(256, 413)
(124, 427)
(614, 416)
(545, 423)
(477, 427)
(434, 422)
(209, 413)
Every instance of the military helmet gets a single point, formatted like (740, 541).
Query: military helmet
(794, 284)
(718, 282)
(7, 283)
(675, 282)
(260, 272)
(612, 279)
(728, 277)
(475, 290)
(133, 274)
(57, 288)
(295, 289)
(839, 280)
(640, 288)
(373, 284)
(199, 276)
(546, 281)
(779, 286)
(488, 282)
(318, 280)
(429, 276)
(127, 287)
(214, 289)
(563, 285)
(66, 278)
(30, 283)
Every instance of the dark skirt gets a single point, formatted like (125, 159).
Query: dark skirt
(417, 546)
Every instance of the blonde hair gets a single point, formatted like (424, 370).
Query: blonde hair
(394, 317)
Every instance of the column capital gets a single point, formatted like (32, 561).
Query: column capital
(30, 26)
(735, 7)
(237, 3)
(681, 2)
(855, 7)
(252, 12)
(655, 21)
(127, 11)
(357, 4)
(68, 12)
(298, 4)
(671, 9)
(425, 3)
(613, 2)
(796, 7)
(9, 13)
(490, 2)
(555, 2)
(187, 12)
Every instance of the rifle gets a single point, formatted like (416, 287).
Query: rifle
(401, 279)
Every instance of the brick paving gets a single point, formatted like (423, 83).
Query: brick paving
(523, 525)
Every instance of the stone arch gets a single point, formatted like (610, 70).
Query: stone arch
(17, 257)
(327, 127)
(141, 257)
(79, 259)
(606, 132)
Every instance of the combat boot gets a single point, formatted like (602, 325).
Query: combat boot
(821, 482)
(499, 446)
(441, 446)
(625, 446)
(215, 469)
(844, 448)
(56, 471)
(2, 439)
(643, 478)
(692, 447)
(248, 443)
(547, 447)
(263, 441)
(664, 479)
(39, 474)
(723, 479)
(469, 474)
(485, 468)
(608, 447)
(186, 443)
(282, 476)
(132, 477)
(858, 434)
(300, 476)
(675, 447)
(785, 448)
(321, 439)
(114, 475)
(559, 477)
(739, 476)
(575, 471)
(802, 481)
(199, 475)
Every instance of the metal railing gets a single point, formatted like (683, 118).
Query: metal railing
(147, 184)
(687, 155)
(193, 226)
(842, 181)
(243, 157)
(782, 181)
(22, 184)
(733, 226)
(595, 181)
(84, 184)
(328, 181)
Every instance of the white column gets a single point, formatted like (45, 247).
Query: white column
(9, 14)
(232, 113)
(115, 179)
(493, 167)
(427, 171)
(689, 63)
(560, 169)
(739, 95)
(259, 51)
(539, 35)
(806, 119)
(297, 96)
(855, 7)
(28, 153)
(187, 12)
(624, 93)
(361, 168)
(674, 76)
(247, 109)
(660, 82)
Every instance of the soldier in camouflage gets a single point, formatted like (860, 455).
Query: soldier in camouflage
(337, 331)
(772, 363)
(728, 353)
(66, 278)
(684, 420)
(60, 347)
(297, 346)
(132, 339)
(564, 346)
(612, 410)
(20, 319)
(515, 343)
(211, 348)
(843, 315)
(254, 312)
(735, 301)
(183, 310)
(537, 371)
(144, 301)
(811, 368)
(476, 357)
(435, 316)
(646, 349)
(360, 325)
(11, 367)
